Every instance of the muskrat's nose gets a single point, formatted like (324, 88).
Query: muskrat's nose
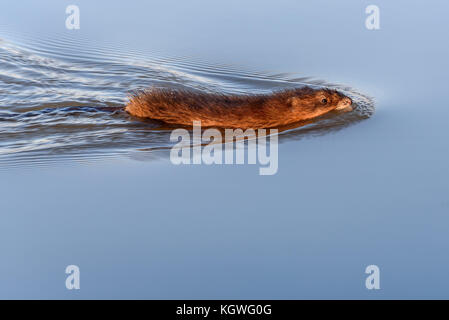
(347, 101)
(345, 104)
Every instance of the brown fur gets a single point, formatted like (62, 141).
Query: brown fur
(235, 111)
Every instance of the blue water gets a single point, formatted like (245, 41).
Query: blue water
(375, 192)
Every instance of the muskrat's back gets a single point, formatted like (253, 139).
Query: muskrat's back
(182, 107)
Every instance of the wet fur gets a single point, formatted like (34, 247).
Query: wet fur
(276, 109)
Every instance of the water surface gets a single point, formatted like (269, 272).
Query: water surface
(344, 197)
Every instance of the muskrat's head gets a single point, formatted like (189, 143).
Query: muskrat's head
(314, 103)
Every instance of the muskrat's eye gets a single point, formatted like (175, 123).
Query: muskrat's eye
(324, 101)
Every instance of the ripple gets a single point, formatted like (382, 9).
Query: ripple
(62, 98)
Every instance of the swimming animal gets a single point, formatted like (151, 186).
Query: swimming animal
(279, 108)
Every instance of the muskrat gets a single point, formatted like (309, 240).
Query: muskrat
(182, 107)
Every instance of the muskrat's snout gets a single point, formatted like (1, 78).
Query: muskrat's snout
(345, 104)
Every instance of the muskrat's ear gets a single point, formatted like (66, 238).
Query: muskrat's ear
(293, 101)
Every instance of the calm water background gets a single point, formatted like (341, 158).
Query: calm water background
(375, 192)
